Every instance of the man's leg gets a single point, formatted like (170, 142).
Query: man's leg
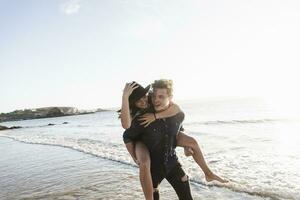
(155, 194)
(157, 177)
(180, 182)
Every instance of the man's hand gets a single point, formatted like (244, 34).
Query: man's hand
(129, 87)
(147, 119)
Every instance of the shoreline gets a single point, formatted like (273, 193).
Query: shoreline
(54, 170)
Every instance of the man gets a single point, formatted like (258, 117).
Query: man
(160, 139)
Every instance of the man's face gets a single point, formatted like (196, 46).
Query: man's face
(160, 99)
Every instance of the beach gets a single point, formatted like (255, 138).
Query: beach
(242, 140)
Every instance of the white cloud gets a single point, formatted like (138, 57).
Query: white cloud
(71, 7)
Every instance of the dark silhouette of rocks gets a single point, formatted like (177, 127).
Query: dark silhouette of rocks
(65, 123)
(44, 112)
(15, 127)
(54, 112)
(6, 128)
(3, 128)
(101, 110)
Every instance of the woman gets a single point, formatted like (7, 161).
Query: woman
(134, 100)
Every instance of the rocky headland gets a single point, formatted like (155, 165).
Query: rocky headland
(44, 112)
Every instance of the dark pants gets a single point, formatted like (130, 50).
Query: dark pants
(181, 187)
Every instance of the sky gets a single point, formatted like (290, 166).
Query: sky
(82, 52)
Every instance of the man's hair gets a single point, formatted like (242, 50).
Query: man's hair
(164, 84)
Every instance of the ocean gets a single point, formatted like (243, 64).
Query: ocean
(243, 140)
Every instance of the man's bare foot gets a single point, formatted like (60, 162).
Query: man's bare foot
(212, 177)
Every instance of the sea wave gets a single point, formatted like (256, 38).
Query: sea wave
(117, 153)
(224, 122)
(236, 187)
(105, 150)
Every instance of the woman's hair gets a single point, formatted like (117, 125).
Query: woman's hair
(137, 94)
(133, 110)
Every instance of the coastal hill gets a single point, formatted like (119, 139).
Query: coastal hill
(44, 112)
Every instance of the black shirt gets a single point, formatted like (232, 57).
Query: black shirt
(160, 139)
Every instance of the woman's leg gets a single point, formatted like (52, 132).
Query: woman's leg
(143, 158)
(184, 140)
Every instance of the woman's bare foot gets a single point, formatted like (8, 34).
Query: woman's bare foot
(212, 177)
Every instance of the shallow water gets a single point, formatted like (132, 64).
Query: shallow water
(243, 141)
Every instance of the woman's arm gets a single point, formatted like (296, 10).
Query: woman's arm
(148, 118)
(125, 111)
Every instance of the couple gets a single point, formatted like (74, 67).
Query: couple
(153, 130)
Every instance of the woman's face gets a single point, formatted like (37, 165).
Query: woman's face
(142, 103)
